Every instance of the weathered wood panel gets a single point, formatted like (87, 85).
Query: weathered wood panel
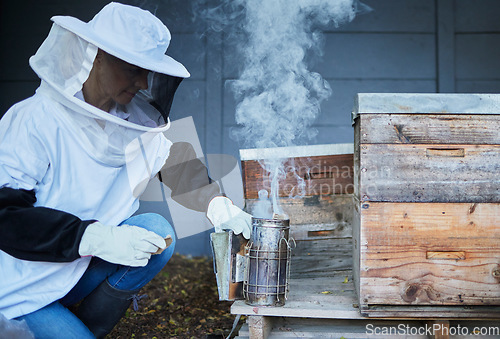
(399, 243)
(426, 227)
(429, 173)
(429, 129)
(394, 16)
(378, 55)
(474, 52)
(290, 328)
(475, 16)
(321, 286)
(181, 49)
(356, 253)
(434, 312)
(478, 86)
(320, 175)
(334, 297)
(259, 327)
(321, 258)
(323, 297)
(445, 46)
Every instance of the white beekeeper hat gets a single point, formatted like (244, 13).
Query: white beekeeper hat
(129, 33)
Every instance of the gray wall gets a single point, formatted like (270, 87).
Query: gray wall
(401, 46)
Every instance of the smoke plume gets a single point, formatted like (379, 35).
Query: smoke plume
(278, 97)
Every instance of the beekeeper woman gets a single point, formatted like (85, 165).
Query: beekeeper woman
(74, 158)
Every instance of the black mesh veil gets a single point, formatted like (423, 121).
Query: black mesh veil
(160, 93)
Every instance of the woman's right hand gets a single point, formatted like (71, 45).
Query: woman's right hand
(125, 245)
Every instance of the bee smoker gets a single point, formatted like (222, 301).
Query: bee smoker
(268, 256)
(257, 270)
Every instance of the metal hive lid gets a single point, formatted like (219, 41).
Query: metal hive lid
(426, 103)
(295, 151)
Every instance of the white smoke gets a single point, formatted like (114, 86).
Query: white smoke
(278, 97)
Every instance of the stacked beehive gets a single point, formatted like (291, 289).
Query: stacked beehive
(427, 193)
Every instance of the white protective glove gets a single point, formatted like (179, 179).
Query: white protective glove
(125, 245)
(223, 214)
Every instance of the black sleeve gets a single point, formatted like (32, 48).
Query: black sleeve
(187, 177)
(37, 233)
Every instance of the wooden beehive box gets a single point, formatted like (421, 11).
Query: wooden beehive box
(324, 209)
(426, 228)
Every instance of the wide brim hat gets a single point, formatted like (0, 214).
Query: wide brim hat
(128, 33)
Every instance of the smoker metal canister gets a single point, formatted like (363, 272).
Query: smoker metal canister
(268, 262)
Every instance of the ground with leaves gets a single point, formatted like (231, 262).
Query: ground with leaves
(182, 302)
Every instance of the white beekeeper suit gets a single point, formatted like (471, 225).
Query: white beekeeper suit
(84, 161)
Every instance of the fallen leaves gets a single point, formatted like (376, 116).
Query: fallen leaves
(182, 303)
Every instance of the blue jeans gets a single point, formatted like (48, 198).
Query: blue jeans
(56, 321)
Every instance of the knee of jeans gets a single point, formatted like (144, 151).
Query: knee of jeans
(160, 260)
(155, 223)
